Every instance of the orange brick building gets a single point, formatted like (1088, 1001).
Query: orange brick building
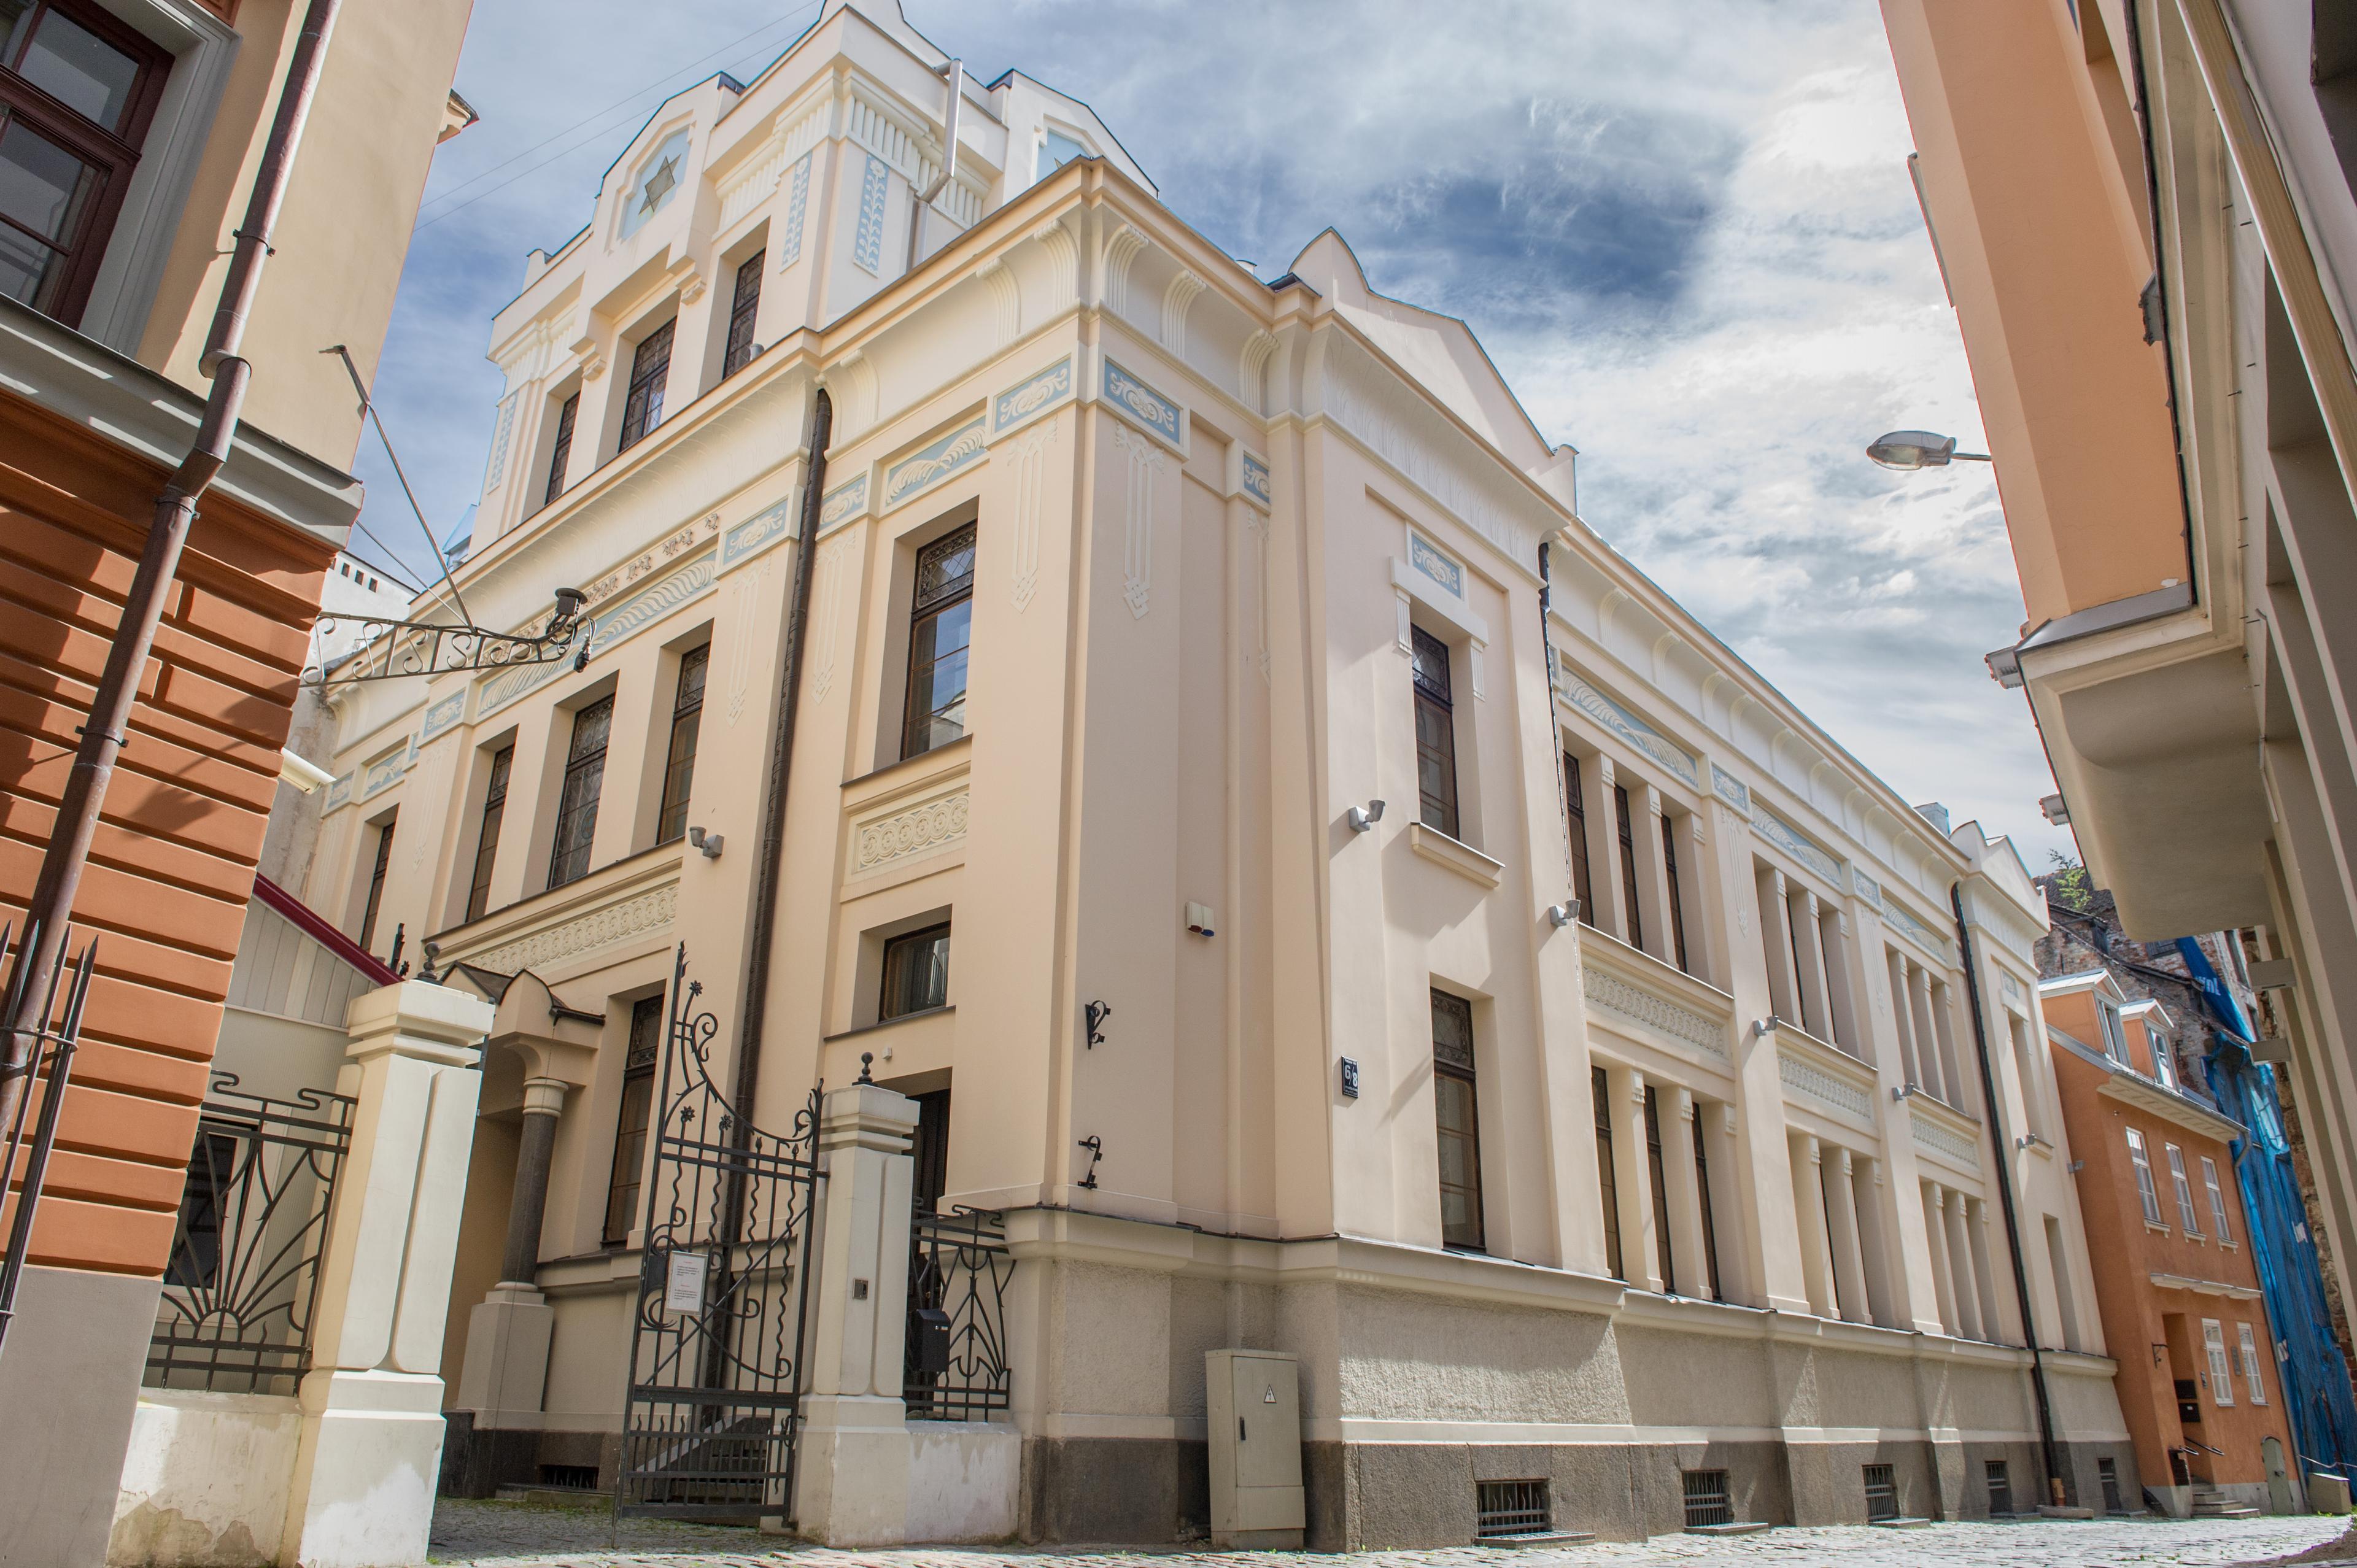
(2178, 1289)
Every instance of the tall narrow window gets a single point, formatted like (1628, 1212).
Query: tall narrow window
(561, 454)
(2217, 1201)
(576, 803)
(2141, 1158)
(2185, 1218)
(916, 973)
(941, 629)
(1605, 1181)
(1677, 905)
(2250, 1349)
(2025, 1068)
(1435, 732)
(1459, 1121)
(487, 839)
(1702, 1187)
(1662, 1258)
(644, 1051)
(376, 883)
(931, 1152)
(1629, 868)
(643, 409)
(2222, 1376)
(679, 764)
(741, 311)
(1582, 887)
(2115, 1039)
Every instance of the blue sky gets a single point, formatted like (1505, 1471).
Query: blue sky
(1684, 232)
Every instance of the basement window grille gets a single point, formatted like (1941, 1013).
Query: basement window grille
(2000, 1487)
(2107, 1471)
(1707, 1498)
(1510, 1508)
(1882, 1492)
(571, 1477)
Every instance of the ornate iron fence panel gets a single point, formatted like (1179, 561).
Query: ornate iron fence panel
(958, 1272)
(243, 1275)
(717, 1339)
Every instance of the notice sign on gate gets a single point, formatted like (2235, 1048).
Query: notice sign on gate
(684, 1287)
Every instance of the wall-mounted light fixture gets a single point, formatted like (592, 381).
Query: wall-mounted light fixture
(1766, 1026)
(1365, 818)
(1907, 1091)
(1097, 1013)
(1562, 914)
(2075, 1166)
(708, 842)
(2029, 1139)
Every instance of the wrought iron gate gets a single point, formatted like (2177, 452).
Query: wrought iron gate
(716, 1341)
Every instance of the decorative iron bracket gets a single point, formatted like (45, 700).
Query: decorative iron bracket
(392, 649)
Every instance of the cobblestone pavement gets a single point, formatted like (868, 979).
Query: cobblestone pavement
(520, 1535)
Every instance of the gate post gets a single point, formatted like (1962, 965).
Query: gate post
(371, 1444)
(851, 1467)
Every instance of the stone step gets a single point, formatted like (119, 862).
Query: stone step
(1741, 1527)
(556, 1497)
(1540, 1538)
(1899, 1523)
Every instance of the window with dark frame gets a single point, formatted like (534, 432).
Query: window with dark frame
(2000, 1486)
(742, 309)
(487, 840)
(1628, 868)
(576, 802)
(1582, 886)
(931, 1149)
(643, 408)
(1702, 1190)
(1881, 1491)
(916, 973)
(1605, 1181)
(643, 1053)
(376, 883)
(563, 453)
(1458, 1115)
(1435, 732)
(1654, 1173)
(78, 89)
(1677, 905)
(679, 762)
(941, 629)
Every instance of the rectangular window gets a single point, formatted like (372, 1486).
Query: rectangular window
(2250, 1349)
(1581, 885)
(376, 883)
(2217, 1201)
(1629, 868)
(2222, 1376)
(741, 311)
(1677, 905)
(2115, 1039)
(916, 973)
(1459, 1120)
(1435, 732)
(2000, 1487)
(679, 763)
(642, 408)
(2185, 1218)
(1605, 1181)
(644, 1051)
(2025, 1068)
(2141, 1158)
(576, 803)
(1709, 1224)
(77, 90)
(941, 629)
(2164, 1060)
(487, 839)
(2107, 1473)
(1707, 1498)
(1654, 1174)
(563, 452)
(1504, 1510)
(1881, 1491)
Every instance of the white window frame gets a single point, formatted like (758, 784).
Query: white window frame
(2222, 1375)
(2187, 1219)
(2250, 1348)
(2140, 1155)
(2116, 1034)
(2209, 1179)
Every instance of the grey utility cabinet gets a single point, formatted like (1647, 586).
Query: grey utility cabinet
(1253, 1402)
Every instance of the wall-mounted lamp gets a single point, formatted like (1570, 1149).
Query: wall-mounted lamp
(708, 842)
(2075, 1166)
(1766, 1026)
(1096, 1013)
(1908, 1090)
(2057, 810)
(1562, 914)
(1365, 818)
(2028, 1139)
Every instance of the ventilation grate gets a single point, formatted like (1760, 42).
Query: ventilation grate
(2107, 1471)
(579, 1478)
(1707, 1500)
(1510, 1508)
(1882, 1492)
(2000, 1486)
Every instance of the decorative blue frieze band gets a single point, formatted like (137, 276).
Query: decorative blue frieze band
(1627, 725)
(936, 462)
(1020, 403)
(790, 249)
(1730, 789)
(617, 623)
(384, 773)
(1896, 916)
(1436, 564)
(843, 503)
(757, 533)
(1866, 886)
(1786, 837)
(867, 245)
(1256, 484)
(1141, 403)
(441, 716)
(340, 791)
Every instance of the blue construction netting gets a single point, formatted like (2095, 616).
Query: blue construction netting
(2308, 1364)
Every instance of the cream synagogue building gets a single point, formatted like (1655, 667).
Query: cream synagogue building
(1602, 1112)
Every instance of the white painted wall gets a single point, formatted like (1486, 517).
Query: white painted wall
(963, 1479)
(205, 1478)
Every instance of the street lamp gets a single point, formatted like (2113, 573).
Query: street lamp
(1908, 450)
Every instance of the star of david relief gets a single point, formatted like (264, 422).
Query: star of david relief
(659, 184)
